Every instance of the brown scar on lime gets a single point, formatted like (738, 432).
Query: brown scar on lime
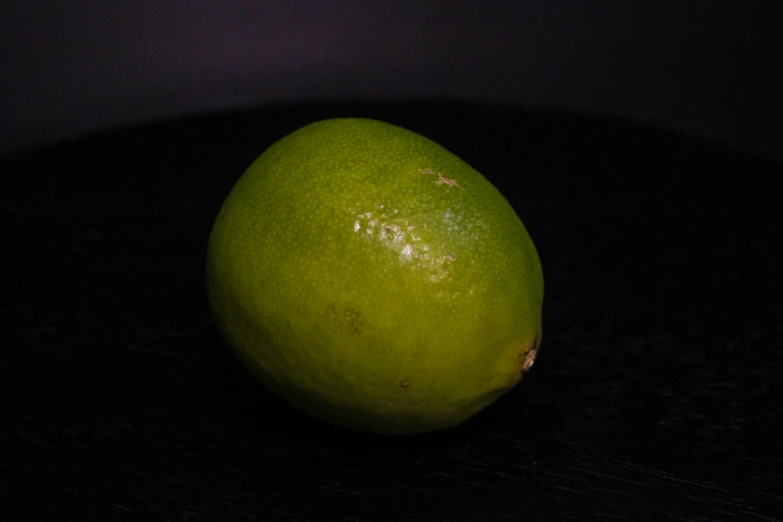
(404, 384)
(347, 317)
(530, 356)
(441, 179)
(450, 182)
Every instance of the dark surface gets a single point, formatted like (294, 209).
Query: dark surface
(656, 396)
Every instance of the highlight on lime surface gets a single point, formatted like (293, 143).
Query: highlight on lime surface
(375, 280)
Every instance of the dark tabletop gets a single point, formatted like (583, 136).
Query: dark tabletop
(656, 395)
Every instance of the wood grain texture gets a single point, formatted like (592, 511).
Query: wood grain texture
(656, 394)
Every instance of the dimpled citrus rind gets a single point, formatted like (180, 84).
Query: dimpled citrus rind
(374, 280)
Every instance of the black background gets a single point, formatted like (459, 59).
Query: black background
(706, 67)
(656, 395)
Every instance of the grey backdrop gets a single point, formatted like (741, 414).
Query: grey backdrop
(706, 67)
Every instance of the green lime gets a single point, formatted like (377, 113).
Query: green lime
(375, 280)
